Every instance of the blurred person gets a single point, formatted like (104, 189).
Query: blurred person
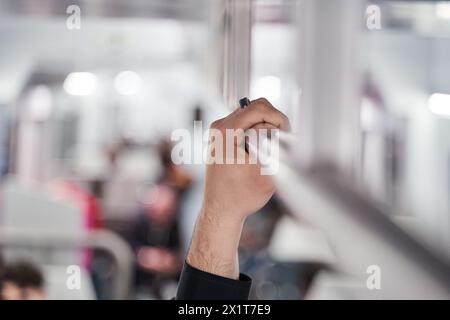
(89, 206)
(21, 281)
(173, 175)
(232, 193)
(71, 191)
(155, 239)
(155, 234)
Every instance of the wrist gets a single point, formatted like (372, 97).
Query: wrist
(215, 243)
(222, 212)
(221, 217)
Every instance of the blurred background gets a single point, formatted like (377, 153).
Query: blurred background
(92, 207)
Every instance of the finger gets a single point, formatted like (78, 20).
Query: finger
(259, 111)
(284, 120)
(255, 133)
(265, 126)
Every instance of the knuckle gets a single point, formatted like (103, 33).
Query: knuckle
(261, 106)
(262, 100)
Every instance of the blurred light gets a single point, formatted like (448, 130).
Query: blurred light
(40, 103)
(128, 83)
(442, 10)
(80, 83)
(268, 87)
(439, 104)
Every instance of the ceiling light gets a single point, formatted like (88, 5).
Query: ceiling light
(439, 104)
(128, 83)
(80, 83)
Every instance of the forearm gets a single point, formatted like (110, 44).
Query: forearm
(215, 242)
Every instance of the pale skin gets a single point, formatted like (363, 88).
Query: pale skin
(232, 193)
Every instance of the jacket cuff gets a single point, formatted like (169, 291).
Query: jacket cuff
(195, 284)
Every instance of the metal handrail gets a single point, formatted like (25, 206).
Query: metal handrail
(361, 233)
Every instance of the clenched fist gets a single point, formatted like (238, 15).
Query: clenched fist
(234, 188)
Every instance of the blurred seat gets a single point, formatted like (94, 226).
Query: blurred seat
(29, 209)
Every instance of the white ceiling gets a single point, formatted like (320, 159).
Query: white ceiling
(101, 43)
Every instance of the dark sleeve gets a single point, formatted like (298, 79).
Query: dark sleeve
(199, 285)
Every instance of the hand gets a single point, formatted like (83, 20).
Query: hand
(232, 192)
(237, 190)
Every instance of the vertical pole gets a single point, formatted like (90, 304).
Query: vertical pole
(237, 50)
(329, 110)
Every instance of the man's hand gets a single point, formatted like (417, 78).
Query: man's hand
(232, 192)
